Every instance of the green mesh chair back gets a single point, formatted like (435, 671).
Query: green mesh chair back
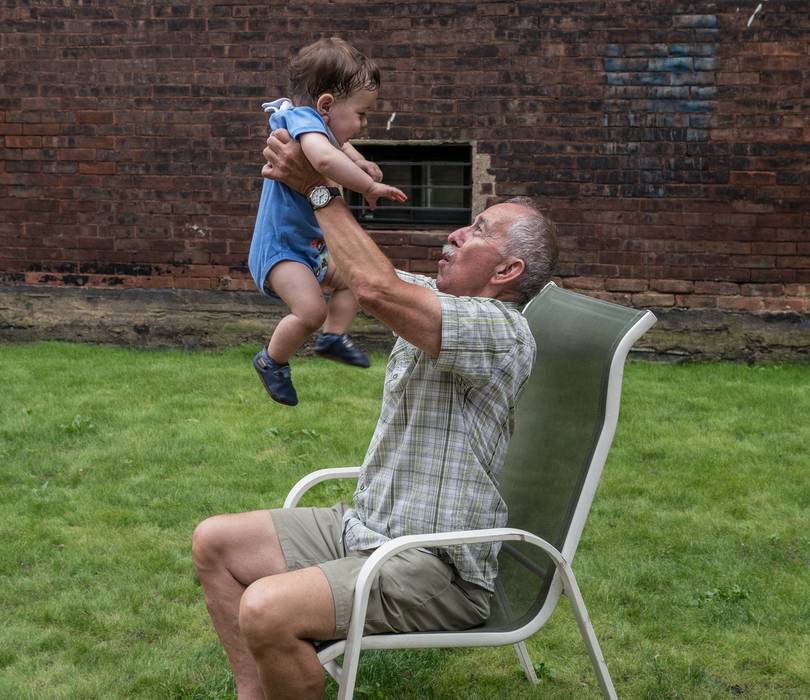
(553, 464)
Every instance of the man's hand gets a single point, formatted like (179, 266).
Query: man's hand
(287, 163)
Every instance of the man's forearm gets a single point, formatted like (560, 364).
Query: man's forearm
(411, 311)
(360, 261)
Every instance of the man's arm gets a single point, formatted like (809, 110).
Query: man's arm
(411, 311)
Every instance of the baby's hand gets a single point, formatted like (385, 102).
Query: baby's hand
(378, 189)
(371, 168)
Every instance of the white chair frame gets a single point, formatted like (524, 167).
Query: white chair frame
(564, 580)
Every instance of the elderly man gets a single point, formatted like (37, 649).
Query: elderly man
(275, 580)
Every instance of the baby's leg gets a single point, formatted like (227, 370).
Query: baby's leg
(342, 306)
(300, 291)
(334, 343)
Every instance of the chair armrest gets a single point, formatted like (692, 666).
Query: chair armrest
(370, 569)
(306, 483)
(385, 551)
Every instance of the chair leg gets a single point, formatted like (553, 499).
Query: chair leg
(526, 662)
(333, 669)
(520, 648)
(588, 635)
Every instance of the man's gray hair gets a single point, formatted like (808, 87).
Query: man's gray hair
(533, 239)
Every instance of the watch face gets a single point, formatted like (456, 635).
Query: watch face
(319, 197)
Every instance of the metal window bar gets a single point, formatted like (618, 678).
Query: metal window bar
(418, 182)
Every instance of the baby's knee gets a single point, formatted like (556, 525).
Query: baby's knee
(312, 316)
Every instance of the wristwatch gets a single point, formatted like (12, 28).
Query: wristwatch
(320, 195)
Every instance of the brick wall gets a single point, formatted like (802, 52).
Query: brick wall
(669, 140)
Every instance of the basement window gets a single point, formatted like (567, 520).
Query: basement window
(436, 178)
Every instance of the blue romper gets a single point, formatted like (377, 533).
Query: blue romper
(285, 223)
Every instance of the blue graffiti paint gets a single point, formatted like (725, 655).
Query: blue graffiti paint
(668, 88)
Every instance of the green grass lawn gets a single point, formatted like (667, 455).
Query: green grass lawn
(695, 563)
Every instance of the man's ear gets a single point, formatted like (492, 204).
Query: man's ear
(324, 104)
(508, 270)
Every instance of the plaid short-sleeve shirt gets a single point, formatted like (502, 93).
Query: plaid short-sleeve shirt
(442, 434)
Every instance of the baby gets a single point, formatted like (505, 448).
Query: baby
(334, 86)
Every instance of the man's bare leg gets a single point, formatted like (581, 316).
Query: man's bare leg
(279, 616)
(230, 552)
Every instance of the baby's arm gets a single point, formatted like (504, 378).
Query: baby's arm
(338, 166)
(333, 163)
(365, 165)
(352, 152)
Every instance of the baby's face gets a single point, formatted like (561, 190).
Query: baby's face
(347, 116)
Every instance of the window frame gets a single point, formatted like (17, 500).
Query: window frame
(422, 157)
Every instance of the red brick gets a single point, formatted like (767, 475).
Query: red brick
(672, 286)
(95, 117)
(696, 301)
(773, 248)
(797, 290)
(750, 304)
(723, 288)
(795, 261)
(653, 299)
(626, 285)
(801, 306)
(766, 261)
(762, 290)
(98, 168)
(23, 141)
(40, 129)
(584, 283)
(75, 154)
(752, 177)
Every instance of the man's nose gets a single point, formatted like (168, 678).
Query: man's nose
(458, 236)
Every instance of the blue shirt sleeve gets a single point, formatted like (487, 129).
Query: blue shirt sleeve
(299, 120)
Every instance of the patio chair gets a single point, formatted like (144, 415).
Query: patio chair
(564, 426)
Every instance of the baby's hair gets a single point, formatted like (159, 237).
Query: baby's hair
(331, 65)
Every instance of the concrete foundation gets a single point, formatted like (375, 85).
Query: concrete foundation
(210, 319)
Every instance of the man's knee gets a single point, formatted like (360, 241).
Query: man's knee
(280, 611)
(264, 615)
(207, 542)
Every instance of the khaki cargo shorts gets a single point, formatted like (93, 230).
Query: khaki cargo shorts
(415, 590)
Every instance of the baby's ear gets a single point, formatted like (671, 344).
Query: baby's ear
(325, 103)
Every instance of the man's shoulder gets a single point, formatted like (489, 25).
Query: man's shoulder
(413, 278)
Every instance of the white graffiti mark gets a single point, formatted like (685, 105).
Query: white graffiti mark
(390, 121)
(756, 12)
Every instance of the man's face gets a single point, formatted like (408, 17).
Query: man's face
(473, 254)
